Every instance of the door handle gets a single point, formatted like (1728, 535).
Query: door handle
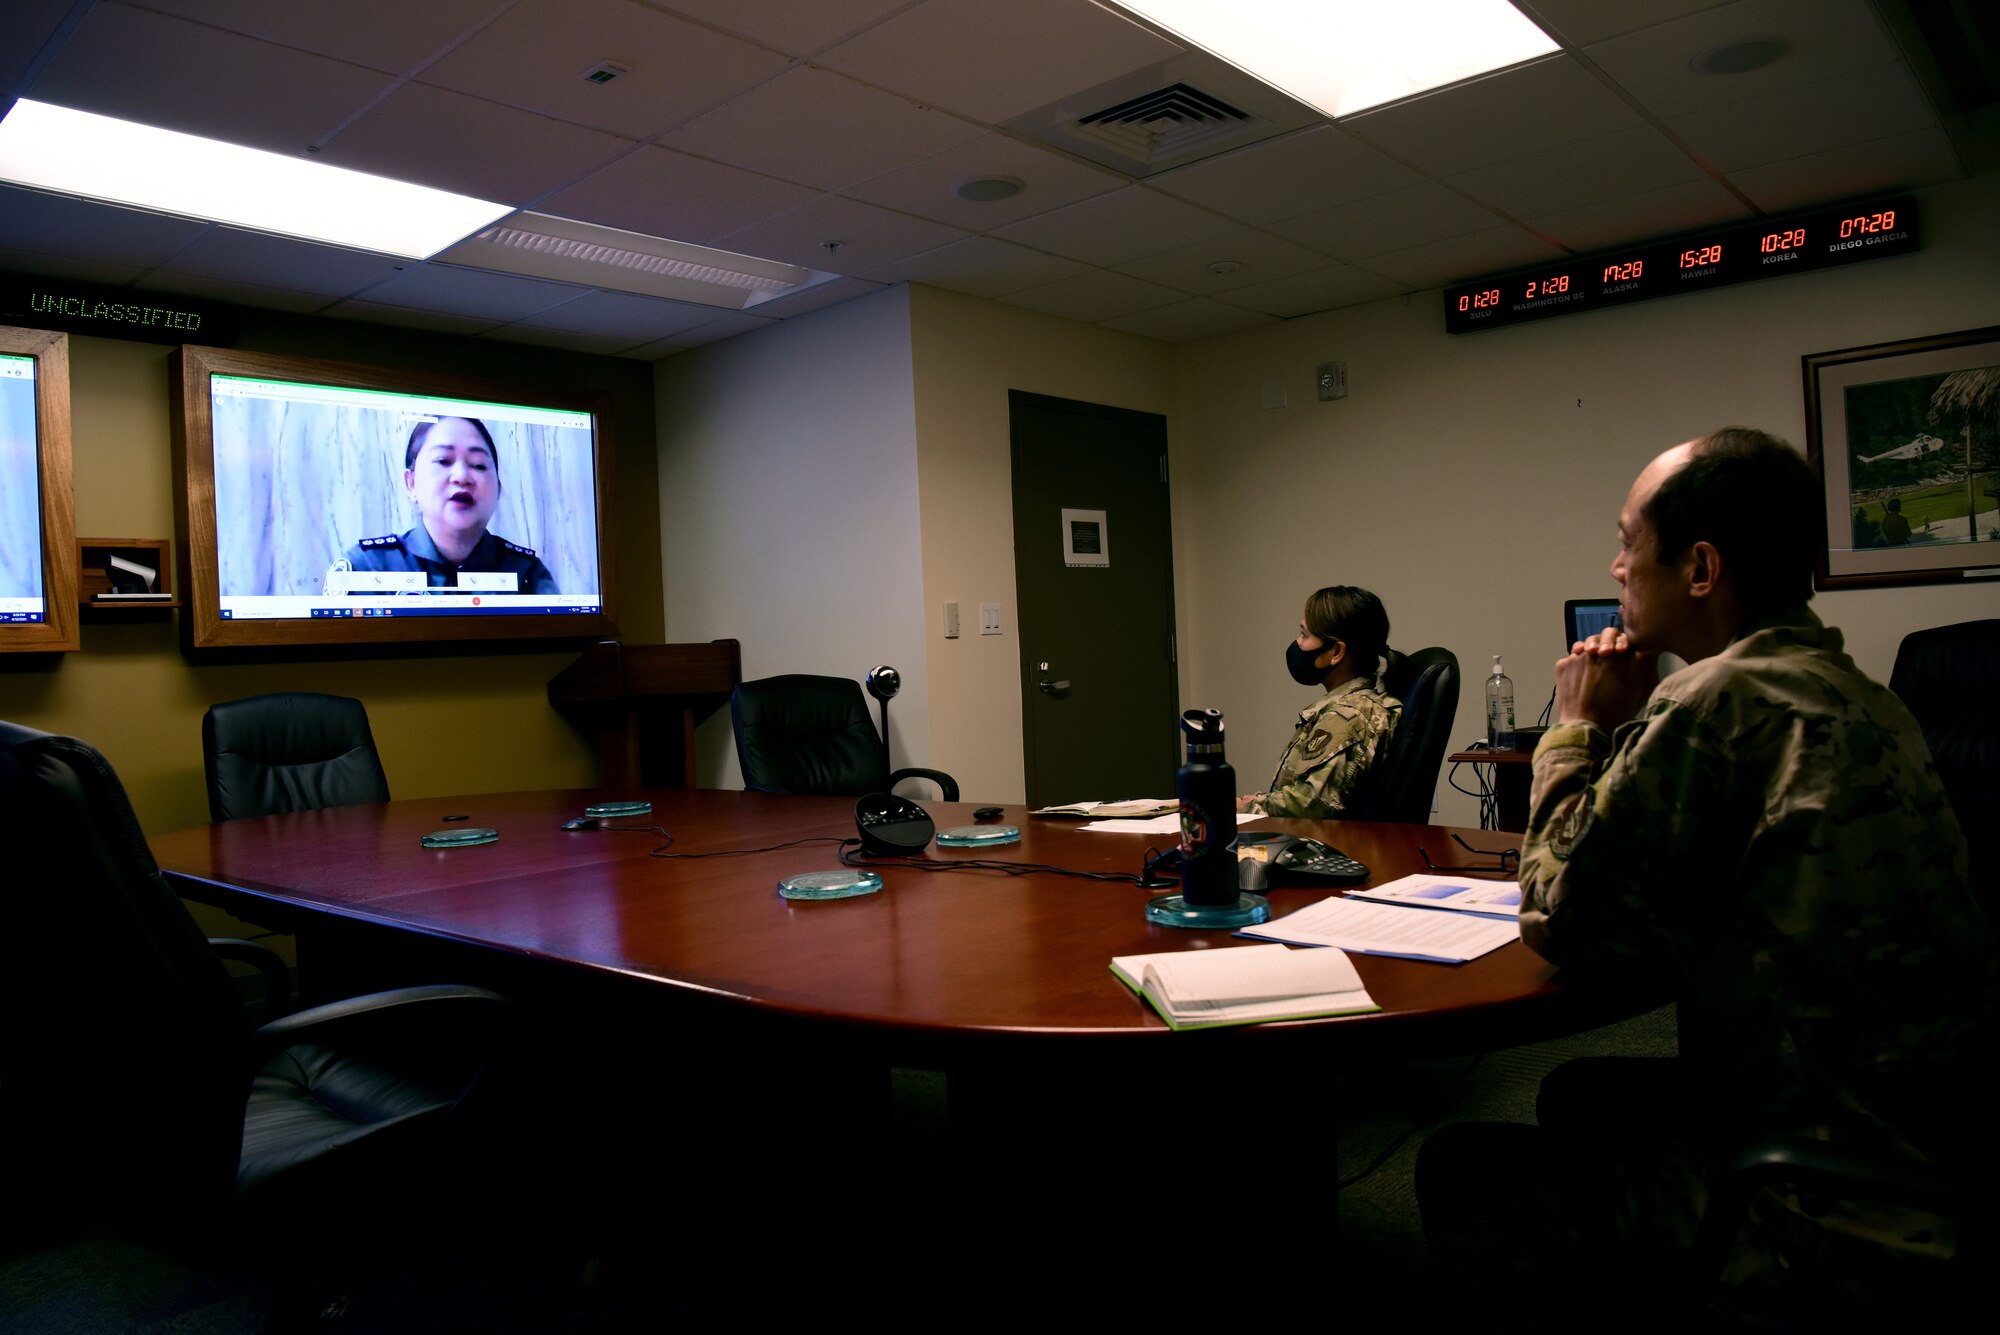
(1047, 687)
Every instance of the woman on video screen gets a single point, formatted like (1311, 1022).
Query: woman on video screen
(452, 472)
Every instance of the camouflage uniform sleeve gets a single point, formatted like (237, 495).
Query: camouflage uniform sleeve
(1624, 832)
(1335, 773)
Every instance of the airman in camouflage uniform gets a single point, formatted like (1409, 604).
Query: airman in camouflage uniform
(1336, 740)
(1764, 835)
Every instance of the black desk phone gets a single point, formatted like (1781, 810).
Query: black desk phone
(1291, 860)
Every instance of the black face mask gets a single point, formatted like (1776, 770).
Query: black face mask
(1300, 663)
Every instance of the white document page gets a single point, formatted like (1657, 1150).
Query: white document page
(1463, 894)
(1389, 929)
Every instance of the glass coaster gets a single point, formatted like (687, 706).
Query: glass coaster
(1174, 911)
(612, 810)
(462, 836)
(830, 884)
(975, 836)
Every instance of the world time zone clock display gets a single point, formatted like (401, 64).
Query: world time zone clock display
(1776, 246)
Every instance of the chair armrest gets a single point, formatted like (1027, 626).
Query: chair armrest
(400, 1017)
(270, 967)
(946, 784)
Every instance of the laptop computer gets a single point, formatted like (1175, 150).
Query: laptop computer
(1587, 616)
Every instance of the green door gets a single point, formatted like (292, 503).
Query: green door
(1093, 569)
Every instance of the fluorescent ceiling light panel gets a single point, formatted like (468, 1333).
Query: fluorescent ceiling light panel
(98, 157)
(1344, 56)
(540, 245)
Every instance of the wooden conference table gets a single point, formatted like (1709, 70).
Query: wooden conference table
(938, 969)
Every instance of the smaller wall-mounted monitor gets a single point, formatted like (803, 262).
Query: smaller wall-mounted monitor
(327, 504)
(38, 555)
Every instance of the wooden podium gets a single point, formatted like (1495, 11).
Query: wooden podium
(643, 701)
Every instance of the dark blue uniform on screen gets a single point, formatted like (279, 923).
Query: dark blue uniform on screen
(414, 550)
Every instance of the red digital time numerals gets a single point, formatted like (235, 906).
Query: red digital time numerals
(1480, 300)
(1621, 273)
(1773, 242)
(1867, 222)
(1546, 287)
(1701, 258)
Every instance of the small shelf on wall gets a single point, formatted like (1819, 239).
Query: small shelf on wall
(94, 575)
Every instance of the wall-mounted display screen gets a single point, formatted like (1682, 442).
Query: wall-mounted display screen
(22, 596)
(1762, 250)
(326, 504)
(38, 556)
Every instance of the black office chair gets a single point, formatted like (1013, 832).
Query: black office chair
(134, 1090)
(290, 751)
(1403, 781)
(806, 734)
(1946, 675)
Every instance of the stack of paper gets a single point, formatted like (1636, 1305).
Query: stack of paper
(1200, 989)
(1390, 929)
(1140, 808)
(1500, 900)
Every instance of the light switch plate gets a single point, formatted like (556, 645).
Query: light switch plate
(989, 618)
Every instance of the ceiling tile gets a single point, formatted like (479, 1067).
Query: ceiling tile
(621, 315)
(474, 147)
(217, 83)
(1901, 162)
(573, 340)
(1627, 163)
(1094, 296)
(821, 129)
(1320, 290)
(1691, 207)
(1791, 123)
(85, 229)
(1826, 38)
(1426, 212)
(1123, 225)
(994, 62)
(979, 266)
(786, 25)
(1283, 178)
(281, 263)
(1508, 115)
(392, 35)
(235, 294)
(869, 237)
(1581, 22)
(1455, 259)
(76, 271)
(1258, 256)
(925, 187)
(473, 293)
(535, 55)
(729, 326)
(30, 24)
(1186, 321)
(816, 297)
(662, 193)
(436, 321)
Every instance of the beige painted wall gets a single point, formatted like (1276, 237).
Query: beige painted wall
(1474, 481)
(789, 510)
(968, 353)
(445, 722)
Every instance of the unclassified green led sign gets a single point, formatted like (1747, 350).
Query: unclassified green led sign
(42, 304)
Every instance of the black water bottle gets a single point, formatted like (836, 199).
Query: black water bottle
(1206, 786)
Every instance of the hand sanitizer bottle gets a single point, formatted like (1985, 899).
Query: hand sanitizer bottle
(1499, 709)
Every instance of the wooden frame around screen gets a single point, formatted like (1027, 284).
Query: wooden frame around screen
(58, 633)
(1920, 384)
(202, 625)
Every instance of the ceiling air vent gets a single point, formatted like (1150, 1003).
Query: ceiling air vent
(1163, 125)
